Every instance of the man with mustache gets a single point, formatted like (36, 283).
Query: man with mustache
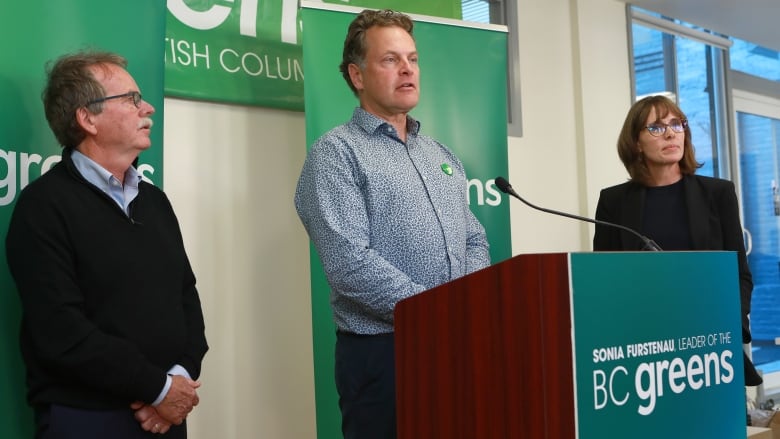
(386, 209)
(112, 331)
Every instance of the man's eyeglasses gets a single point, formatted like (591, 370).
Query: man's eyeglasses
(659, 129)
(132, 94)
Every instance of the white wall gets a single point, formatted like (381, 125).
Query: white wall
(575, 92)
(230, 172)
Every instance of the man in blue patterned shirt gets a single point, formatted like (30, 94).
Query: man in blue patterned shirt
(386, 209)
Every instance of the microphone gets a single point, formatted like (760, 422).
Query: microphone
(505, 187)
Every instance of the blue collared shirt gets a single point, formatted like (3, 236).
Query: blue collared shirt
(123, 194)
(389, 219)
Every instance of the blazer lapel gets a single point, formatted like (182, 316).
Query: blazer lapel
(696, 201)
(633, 209)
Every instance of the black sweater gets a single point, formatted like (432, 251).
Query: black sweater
(109, 303)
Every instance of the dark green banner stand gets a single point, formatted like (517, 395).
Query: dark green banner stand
(32, 33)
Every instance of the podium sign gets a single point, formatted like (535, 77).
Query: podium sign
(583, 345)
(657, 345)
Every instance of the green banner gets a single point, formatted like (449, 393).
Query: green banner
(659, 358)
(248, 51)
(31, 33)
(462, 104)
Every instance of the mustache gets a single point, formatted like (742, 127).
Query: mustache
(146, 122)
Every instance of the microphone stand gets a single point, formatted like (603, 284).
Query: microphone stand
(505, 187)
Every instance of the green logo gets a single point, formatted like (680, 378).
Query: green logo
(446, 168)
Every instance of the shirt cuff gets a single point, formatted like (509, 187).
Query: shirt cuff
(175, 370)
(179, 370)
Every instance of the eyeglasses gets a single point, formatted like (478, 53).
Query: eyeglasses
(132, 94)
(659, 129)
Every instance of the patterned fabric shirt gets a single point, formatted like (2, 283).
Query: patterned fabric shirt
(388, 219)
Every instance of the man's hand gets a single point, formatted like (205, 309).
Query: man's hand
(180, 400)
(149, 419)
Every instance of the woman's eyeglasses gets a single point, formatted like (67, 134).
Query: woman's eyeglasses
(659, 129)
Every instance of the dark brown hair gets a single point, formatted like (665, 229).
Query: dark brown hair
(355, 44)
(636, 121)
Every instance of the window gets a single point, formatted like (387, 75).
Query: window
(691, 64)
(755, 60)
(756, 97)
(688, 65)
(476, 10)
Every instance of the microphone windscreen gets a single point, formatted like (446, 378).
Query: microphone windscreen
(503, 185)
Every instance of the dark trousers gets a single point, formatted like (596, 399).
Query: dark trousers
(60, 422)
(365, 380)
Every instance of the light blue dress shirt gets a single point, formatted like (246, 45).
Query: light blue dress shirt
(123, 194)
(388, 219)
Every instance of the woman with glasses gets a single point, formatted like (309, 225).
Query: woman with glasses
(667, 202)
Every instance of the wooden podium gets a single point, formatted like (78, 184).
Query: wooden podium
(491, 355)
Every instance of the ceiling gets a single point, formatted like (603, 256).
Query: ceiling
(756, 21)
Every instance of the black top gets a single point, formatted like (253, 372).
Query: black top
(665, 217)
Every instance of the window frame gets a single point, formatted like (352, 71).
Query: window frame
(722, 122)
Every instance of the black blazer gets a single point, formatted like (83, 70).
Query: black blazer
(713, 221)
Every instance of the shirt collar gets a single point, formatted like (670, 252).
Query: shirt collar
(371, 123)
(98, 175)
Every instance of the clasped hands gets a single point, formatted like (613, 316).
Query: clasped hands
(174, 408)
